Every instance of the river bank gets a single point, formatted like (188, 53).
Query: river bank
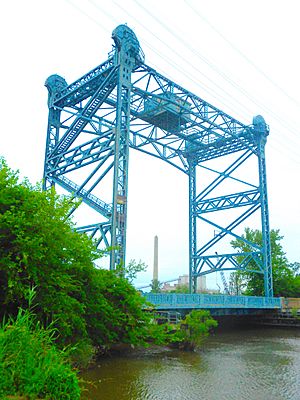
(245, 363)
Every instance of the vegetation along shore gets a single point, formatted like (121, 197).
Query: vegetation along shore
(59, 312)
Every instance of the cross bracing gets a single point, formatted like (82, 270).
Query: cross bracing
(125, 104)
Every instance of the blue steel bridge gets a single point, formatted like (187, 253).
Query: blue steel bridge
(216, 304)
(124, 105)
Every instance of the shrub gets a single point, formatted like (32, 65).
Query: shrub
(193, 330)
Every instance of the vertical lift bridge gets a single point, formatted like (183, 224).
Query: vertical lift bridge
(124, 104)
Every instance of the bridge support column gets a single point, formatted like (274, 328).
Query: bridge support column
(126, 58)
(192, 226)
(120, 179)
(261, 130)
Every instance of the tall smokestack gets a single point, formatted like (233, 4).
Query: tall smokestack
(155, 263)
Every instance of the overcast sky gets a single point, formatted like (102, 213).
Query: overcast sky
(241, 56)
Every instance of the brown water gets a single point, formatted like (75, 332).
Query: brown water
(260, 364)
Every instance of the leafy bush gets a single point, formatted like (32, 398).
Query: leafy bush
(294, 313)
(114, 310)
(193, 330)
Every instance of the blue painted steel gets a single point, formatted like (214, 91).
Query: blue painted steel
(83, 88)
(86, 113)
(169, 301)
(229, 201)
(123, 103)
(90, 199)
(192, 226)
(101, 230)
(215, 262)
(127, 57)
(262, 131)
(225, 285)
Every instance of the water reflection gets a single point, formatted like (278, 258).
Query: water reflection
(256, 365)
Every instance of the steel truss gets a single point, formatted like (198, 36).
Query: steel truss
(123, 103)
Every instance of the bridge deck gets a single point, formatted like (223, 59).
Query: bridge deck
(168, 301)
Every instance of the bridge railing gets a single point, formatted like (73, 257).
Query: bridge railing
(203, 301)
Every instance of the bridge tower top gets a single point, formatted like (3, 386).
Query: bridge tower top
(126, 40)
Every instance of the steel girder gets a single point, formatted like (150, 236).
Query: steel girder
(124, 103)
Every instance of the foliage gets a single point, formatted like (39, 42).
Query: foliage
(40, 247)
(285, 282)
(131, 270)
(155, 286)
(89, 308)
(294, 313)
(114, 310)
(295, 267)
(189, 333)
(30, 365)
(180, 289)
(82, 354)
(159, 333)
(193, 330)
(236, 284)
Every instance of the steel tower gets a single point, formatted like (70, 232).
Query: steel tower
(124, 104)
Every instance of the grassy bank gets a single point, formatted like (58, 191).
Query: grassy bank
(31, 367)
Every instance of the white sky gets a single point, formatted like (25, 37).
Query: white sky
(241, 56)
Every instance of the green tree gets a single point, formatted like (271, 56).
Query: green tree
(295, 267)
(155, 286)
(39, 247)
(114, 310)
(180, 289)
(236, 283)
(285, 283)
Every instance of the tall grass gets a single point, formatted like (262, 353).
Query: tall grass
(30, 364)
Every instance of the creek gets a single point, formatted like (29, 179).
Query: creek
(237, 364)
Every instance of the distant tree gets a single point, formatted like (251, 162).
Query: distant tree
(180, 289)
(236, 284)
(285, 282)
(155, 286)
(295, 267)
